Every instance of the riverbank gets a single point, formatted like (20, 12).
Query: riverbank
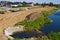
(39, 22)
(9, 19)
(35, 24)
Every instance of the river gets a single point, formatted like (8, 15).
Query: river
(55, 25)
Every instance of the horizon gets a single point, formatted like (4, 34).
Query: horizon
(35, 1)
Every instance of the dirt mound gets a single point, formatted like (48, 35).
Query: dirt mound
(32, 16)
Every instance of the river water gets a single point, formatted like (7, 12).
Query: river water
(55, 25)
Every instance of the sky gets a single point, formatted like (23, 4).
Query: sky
(35, 1)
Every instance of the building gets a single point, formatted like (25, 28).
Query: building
(30, 4)
(15, 4)
(5, 3)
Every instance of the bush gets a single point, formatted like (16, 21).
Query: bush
(54, 36)
(43, 38)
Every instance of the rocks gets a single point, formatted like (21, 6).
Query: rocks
(10, 30)
(14, 10)
(2, 12)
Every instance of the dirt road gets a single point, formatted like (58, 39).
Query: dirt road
(9, 19)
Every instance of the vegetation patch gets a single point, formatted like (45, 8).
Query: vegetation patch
(38, 23)
(54, 36)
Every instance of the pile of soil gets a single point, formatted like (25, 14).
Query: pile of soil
(33, 16)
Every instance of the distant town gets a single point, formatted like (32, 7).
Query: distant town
(22, 4)
(14, 4)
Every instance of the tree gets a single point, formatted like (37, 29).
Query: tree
(44, 4)
(51, 4)
(37, 4)
(24, 4)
